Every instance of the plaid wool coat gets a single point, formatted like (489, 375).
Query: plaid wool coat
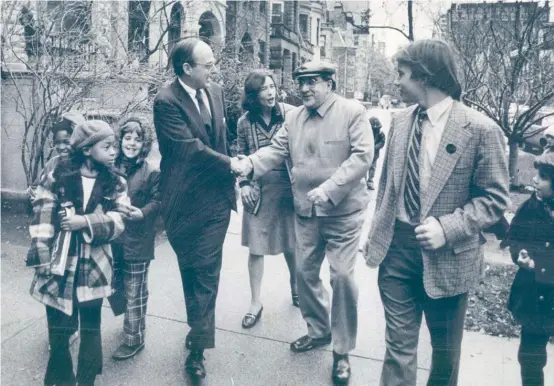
(90, 260)
(467, 193)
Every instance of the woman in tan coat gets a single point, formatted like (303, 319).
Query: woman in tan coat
(268, 217)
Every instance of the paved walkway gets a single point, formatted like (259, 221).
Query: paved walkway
(256, 357)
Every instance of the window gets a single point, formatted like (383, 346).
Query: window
(263, 7)
(277, 12)
(304, 30)
(356, 40)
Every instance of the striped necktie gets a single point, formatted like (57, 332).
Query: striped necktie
(411, 189)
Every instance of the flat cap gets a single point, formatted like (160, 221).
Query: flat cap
(314, 68)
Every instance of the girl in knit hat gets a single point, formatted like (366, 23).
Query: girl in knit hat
(87, 182)
(531, 241)
(134, 249)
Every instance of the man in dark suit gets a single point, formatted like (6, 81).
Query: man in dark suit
(196, 185)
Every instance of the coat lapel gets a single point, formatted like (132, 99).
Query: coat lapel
(456, 134)
(190, 108)
(402, 125)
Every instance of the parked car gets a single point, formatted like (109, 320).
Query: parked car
(533, 140)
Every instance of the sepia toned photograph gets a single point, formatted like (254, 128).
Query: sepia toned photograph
(277, 192)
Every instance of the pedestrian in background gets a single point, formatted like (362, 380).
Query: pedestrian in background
(531, 301)
(88, 182)
(268, 216)
(379, 142)
(134, 249)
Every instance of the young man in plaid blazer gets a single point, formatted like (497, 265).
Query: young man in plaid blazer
(444, 180)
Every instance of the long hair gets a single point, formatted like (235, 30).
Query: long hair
(252, 87)
(432, 61)
(141, 126)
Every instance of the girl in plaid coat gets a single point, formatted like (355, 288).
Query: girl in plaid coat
(134, 249)
(87, 180)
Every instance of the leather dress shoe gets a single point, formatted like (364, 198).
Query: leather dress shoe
(306, 343)
(250, 320)
(194, 365)
(295, 301)
(341, 369)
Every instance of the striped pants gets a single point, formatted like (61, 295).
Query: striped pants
(135, 281)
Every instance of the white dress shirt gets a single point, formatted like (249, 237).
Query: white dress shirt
(192, 92)
(432, 131)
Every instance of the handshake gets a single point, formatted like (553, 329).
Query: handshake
(241, 165)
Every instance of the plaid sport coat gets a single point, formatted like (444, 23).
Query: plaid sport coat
(468, 192)
(90, 254)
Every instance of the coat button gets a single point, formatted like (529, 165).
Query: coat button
(541, 298)
(547, 244)
(543, 270)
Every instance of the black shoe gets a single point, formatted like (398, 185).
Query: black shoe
(250, 320)
(125, 352)
(341, 369)
(295, 300)
(194, 365)
(306, 343)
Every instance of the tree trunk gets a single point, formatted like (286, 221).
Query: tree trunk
(512, 165)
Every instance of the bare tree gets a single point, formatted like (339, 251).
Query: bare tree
(506, 72)
(65, 57)
(366, 24)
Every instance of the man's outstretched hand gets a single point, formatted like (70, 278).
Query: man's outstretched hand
(241, 165)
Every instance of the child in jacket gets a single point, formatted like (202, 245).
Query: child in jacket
(88, 181)
(135, 247)
(531, 301)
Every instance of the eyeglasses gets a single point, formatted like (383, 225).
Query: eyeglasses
(310, 82)
(209, 66)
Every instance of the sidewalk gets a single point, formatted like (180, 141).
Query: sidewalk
(259, 356)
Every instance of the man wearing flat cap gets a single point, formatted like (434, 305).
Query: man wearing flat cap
(329, 146)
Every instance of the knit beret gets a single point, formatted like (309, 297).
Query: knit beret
(90, 133)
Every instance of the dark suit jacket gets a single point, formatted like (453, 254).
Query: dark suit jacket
(195, 166)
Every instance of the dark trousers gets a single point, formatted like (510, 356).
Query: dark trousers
(405, 300)
(87, 317)
(198, 243)
(371, 172)
(532, 356)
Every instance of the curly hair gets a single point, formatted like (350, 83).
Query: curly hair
(143, 128)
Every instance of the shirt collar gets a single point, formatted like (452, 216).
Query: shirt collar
(188, 89)
(325, 106)
(434, 113)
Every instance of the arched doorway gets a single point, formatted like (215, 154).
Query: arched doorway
(175, 23)
(138, 29)
(209, 29)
